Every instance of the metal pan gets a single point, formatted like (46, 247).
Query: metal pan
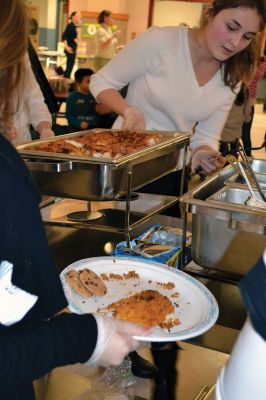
(97, 179)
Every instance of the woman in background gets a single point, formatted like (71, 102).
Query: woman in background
(106, 40)
(70, 39)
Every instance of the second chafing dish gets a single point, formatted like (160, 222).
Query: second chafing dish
(259, 168)
(90, 178)
(227, 234)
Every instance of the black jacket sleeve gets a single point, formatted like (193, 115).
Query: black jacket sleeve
(253, 290)
(30, 351)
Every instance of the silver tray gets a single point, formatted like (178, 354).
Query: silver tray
(226, 236)
(233, 196)
(238, 181)
(91, 178)
(258, 166)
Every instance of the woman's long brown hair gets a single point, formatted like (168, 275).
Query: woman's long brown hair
(13, 47)
(240, 67)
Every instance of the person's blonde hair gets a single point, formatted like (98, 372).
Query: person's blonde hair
(13, 47)
(240, 67)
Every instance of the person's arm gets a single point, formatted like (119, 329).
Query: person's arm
(39, 115)
(67, 47)
(137, 58)
(104, 39)
(66, 34)
(30, 351)
(205, 141)
(253, 291)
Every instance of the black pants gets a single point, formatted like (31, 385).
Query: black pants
(70, 64)
(168, 185)
(246, 133)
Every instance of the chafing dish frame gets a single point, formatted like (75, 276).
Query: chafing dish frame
(166, 155)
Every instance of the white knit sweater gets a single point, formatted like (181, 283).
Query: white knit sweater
(162, 83)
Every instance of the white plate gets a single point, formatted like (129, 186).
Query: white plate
(195, 307)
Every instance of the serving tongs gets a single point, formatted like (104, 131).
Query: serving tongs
(250, 175)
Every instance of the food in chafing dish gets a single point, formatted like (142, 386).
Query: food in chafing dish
(148, 308)
(86, 283)
(104, 144)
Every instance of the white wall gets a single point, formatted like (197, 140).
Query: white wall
(43, 5)
(138, 11)
(167, 13)
(116, 6)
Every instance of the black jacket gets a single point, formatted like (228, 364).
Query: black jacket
(40, 341)
(69, 34)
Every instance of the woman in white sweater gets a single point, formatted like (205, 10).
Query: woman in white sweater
(182, 79)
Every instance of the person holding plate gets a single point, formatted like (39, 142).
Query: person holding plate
(35, 335)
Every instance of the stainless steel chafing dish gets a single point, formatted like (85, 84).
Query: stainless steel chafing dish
(259, 168)
(227, 234)
(238, 181)
(89, 178)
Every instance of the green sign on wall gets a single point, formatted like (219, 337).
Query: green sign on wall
(89, 29)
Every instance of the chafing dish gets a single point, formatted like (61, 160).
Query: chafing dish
(258, 166)
(238, 181)
(90, 178)
(227, 234)
(234, 196)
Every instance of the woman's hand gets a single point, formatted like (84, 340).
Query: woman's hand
(69, 50)
(46, 133)
(207, 159)
(115, 340)
(134, 119)
(84, 125)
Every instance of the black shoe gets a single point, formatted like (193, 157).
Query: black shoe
(166, 376)
(141, 367)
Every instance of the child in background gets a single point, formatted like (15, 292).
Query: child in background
(82, 110)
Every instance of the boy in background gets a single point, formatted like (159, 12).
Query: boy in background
(82, 110)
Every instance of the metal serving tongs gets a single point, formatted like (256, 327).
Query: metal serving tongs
(249, 171)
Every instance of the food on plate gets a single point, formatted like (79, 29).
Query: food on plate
(72, 278)
(86, 283)
(92, 282)
(148, 308)
(129, 275)
(104, 144)
(168, 285)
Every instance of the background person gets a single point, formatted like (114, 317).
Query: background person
(252, 88)
(33, 337)
(82, 110)
(181, 78)
(70, 39)
(31, 110)
(239, 113)
(106, 40)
